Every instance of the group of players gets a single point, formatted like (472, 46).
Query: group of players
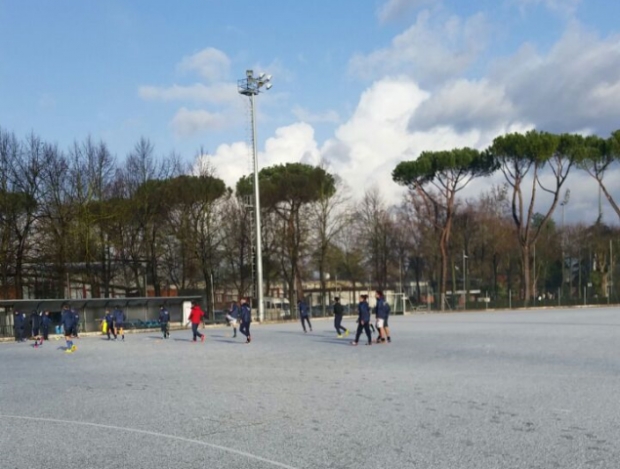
(238, 315)
(40, 323)
(381, 311)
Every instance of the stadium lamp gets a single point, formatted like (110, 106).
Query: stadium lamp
(251, 87)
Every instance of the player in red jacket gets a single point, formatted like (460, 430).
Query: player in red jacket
(195, 317)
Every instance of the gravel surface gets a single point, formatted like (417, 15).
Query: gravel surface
(536, 389)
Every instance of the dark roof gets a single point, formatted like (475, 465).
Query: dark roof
(55, 305)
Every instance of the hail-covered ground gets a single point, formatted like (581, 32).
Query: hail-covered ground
(536, 389)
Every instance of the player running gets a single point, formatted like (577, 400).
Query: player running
(164, 320)
(119, 321)
(195, 317)
(363, 320)
(233, 317)
(246, 319)
(67, 320)
(382, 311)
(304, 314)
(338, 313)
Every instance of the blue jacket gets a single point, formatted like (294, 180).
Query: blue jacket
(303, 309)
(246, 313)
(382, 310)
(19, 320)
(363, 311)
(35, 320)
(234, 311)
(109, 318)
(119, 317)
(67, 319)
(46, 321)
(164, 316)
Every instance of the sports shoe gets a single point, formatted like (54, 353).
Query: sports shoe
(340, 336)
(389, 340)
(73, 348)
(354, 343)
(68, 351)
(346, 333)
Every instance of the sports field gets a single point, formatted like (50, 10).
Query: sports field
(538, 389)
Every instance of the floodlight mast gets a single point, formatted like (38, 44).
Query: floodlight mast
(251, 87)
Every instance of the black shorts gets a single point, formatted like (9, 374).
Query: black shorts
(69, 331)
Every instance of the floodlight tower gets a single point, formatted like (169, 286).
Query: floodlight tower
(251, 86)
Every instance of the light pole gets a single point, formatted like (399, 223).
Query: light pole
(563, 241)
(251, 86)
(464, 280)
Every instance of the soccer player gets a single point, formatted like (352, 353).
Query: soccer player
(246, 319)
(304, 314)
(164, 320)
(35, 321)
(195, 317)
(338, 313)
(363, 320)
(76, 326)
(381, 312)
(109, 321)
(46, 322)
(67, 320)
(19, 321)
(233, 317)
(119, 321)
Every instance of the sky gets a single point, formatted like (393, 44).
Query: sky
(357, 84)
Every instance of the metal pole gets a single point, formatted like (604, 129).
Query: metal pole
(259, 241)
(464, 283)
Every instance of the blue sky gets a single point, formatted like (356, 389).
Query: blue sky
(361, 84)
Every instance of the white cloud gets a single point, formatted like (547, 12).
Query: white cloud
(329, 116)
(187, 122)
(429, 51)
(463, 105)
(576, 85)
(217, 93)
(212, 64)
(377, 137)
(394, 9)
(292, 143)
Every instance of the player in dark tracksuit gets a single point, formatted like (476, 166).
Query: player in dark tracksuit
(338, 313)
(363, 320)
(109, 320)
(381, 314)
(35, 322)
(233, 317)
(304, 314)
(245, 316)
(76, 326)
(67, 320)
(164, 320)
(19, 321)
(46, 322)
(119, 320)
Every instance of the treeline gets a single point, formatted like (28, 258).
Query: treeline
(81, 213)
